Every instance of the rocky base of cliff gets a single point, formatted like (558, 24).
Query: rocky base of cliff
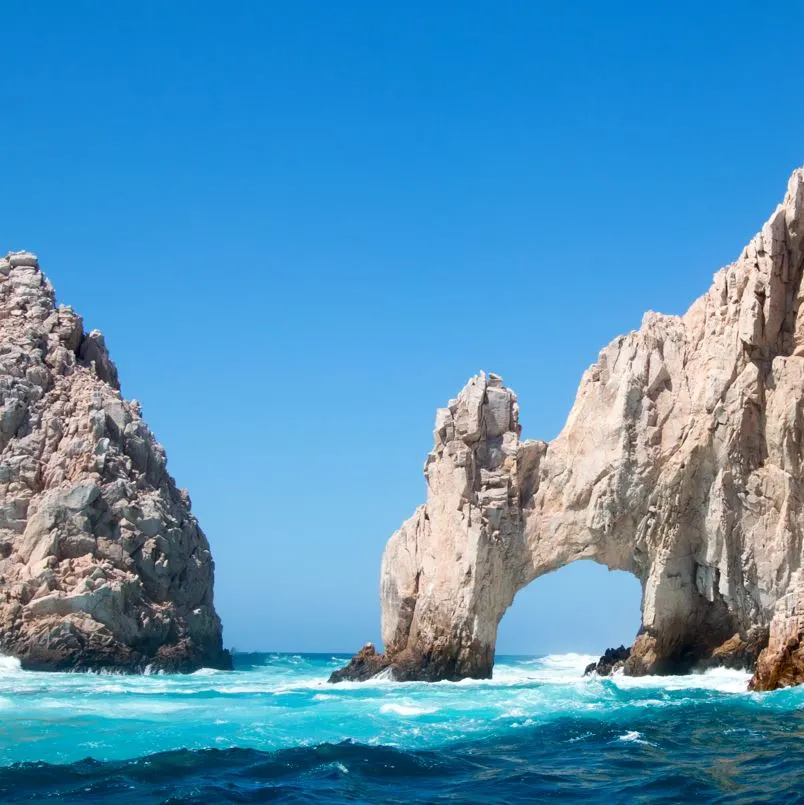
(410, 666)
(367, 663)
(741, 651)
(71, 649)
(782, 668)
(781, 663)
(652, 655)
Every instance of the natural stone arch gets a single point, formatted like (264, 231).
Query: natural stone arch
(501, 513)
(680, 462)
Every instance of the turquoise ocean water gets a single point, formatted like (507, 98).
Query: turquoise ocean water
(274, 730)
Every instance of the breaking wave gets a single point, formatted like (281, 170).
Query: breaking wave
(9, 665)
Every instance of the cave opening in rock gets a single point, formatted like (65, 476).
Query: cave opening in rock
(583, 608)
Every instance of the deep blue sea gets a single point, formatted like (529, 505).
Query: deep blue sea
(274, 731)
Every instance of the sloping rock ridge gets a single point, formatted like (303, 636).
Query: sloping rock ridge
(102, 565)
(681, 462)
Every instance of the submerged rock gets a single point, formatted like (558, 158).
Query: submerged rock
(681, 462)
(102, 565)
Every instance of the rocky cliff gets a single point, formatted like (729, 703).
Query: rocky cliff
(682, 462)
(102, 565)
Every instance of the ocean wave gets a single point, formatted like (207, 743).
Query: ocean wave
(634, 736)
(276, 705)
(208, 672)
(723, 680)
(406, 709)
(667, 761)
(570, 662)
(9, 665)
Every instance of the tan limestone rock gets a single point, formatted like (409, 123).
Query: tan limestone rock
(681, 462)
(102, 565)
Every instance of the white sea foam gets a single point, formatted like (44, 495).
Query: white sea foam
(635, 737)
(554, 669)
(9, 665)
(386, 675)
(284, 703)
(723, 680)
(514, 712)
(374, 682)
(568, 662)
(406, 709)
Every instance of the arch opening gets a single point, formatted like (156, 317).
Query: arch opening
(581, 608)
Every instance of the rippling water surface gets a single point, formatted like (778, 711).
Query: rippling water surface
(273, 730)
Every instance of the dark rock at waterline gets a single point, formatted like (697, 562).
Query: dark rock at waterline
(364, 665)
(740, 651)
(412, 666)
(69, 650)
(612, 660)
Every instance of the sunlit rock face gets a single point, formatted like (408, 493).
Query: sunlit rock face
(680, 462)
(102, 565)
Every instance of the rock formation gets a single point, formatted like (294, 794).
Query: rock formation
(681, 462)
(102, 565)
(366, 664)
(611, 661)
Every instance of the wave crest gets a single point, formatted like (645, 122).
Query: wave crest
(9, 665)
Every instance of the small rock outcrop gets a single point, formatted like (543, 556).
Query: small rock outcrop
(367, 663)
(102, 565)
(681, 462)
(613, 659)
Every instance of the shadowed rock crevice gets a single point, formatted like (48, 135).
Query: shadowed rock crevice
(102, 564)
(680, 462)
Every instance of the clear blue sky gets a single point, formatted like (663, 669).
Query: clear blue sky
(303, 225)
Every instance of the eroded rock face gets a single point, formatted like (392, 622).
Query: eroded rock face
(680, 462)
(102, 565)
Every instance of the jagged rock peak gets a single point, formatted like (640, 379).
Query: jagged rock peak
(681, 461)
(102, 564)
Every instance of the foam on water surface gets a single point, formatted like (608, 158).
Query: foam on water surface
(273, 702)
(9, 665)
(533, 731)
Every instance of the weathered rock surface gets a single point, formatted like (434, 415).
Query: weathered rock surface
(681, 462)
(781, 664)
(102, 565)
(367, 663)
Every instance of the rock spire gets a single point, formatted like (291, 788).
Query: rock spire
(102, 565)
